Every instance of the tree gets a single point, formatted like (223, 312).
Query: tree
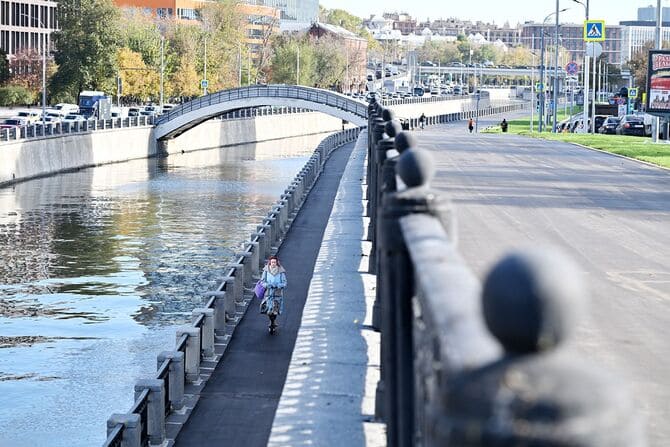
(141, 34)
(86, 46)
(139, 81)
(4, 67)
(182, 52)
(284, 61)
(185, 81)
(638, 65)
(223, 26)
(342, 18)
(330, 62)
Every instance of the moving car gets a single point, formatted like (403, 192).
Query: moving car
(609, 125)
(631, 125)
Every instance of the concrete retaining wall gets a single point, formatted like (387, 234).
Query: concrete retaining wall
(25, 159)
(217, 133)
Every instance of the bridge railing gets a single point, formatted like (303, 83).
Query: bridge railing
(470, 364)
(269, 91)
(206, 338)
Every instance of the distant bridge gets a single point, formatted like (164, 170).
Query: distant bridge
(190, 114)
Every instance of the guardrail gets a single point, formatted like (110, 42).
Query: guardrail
(467, 364)
(158, 398)
(428, 98)
(66, 128)
(36, 130)
(269, 91)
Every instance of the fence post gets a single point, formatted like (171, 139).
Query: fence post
(206, 330)
(192, 354)
(155, 408)
(176, 379)
(132, 430)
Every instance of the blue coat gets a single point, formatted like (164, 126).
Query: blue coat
(274, 287)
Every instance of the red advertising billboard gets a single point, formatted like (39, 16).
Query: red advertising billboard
(658, 82)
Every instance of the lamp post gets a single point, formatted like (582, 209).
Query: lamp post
(659, 45)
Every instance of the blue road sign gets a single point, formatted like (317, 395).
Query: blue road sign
(572, 68)
(594, 30)
(204, 83)
(632, 92)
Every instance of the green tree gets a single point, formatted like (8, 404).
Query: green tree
(182, 53)
(223, 27)
(4, 67)
(141, 34)
(139, 81)
(330, 62)
(86, 46)
(342, 18)
(284, 61)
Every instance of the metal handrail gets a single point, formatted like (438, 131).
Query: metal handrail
(141, 407)
(115, 437)
(163, 374)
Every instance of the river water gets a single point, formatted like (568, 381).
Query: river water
(98, 267)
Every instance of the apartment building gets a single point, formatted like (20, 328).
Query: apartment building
(27, 25)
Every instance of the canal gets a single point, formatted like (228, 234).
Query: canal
(98, 267)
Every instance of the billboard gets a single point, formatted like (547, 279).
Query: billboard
(658, 82)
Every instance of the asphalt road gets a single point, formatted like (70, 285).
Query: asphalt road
(611, 214)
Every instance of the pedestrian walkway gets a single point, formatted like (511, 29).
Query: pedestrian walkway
(238, 404)
(328, 398)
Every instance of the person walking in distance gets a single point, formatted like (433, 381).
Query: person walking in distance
(471, 125)
(273, 279)
(422, 120)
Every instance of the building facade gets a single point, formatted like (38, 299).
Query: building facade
(292, 11)
(26, 25)
(648, 13)
(571, 37)
(636, 34)
(261, 23)
(356, 53)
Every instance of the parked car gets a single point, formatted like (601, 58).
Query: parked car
(66, 108)
(72, 118)
(11, 123)
(609, 125)
(631, 125)
(31, 116)
(599, 120)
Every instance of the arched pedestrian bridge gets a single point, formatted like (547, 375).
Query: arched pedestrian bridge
(190, 114)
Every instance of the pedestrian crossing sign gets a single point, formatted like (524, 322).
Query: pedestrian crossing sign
(594, 30)
(632, 93)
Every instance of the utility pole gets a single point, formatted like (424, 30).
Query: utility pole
(297, 67)
(555, 96)
(204, 85)
(239, 64)
(540, 123)
(162, 70)
(659, 45)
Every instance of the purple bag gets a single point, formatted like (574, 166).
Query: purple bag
(259, 290)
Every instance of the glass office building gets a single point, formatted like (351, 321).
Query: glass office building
(293, 11)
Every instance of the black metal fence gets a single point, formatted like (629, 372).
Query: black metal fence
(471, 364)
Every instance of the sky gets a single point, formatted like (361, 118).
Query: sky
(497, 11)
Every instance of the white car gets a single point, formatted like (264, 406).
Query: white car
(31, 116)
(66, 108)
(73, 118)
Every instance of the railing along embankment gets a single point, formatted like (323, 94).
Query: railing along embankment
(466, 364)
(202, 344)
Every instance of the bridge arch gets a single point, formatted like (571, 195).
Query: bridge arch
(190, 114)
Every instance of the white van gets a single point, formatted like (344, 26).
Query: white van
(120, 112)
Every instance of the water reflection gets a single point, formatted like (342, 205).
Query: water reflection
(98, 266)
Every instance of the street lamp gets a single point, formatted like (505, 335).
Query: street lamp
(542, 71)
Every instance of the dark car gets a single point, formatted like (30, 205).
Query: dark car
(630, 125)
(609, 125)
